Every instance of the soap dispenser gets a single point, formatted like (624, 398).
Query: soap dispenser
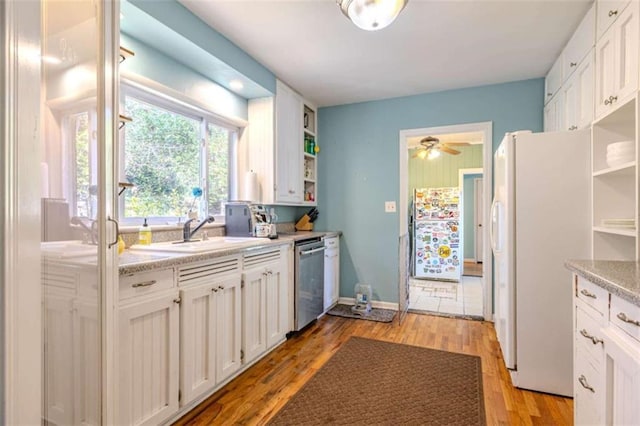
(144, 234)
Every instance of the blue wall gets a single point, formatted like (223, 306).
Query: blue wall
(359, 167)
(468, 221)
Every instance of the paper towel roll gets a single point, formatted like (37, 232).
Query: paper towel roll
(251, 188)
(44, 179)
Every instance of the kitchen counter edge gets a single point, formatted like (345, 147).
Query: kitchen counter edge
(148, 262)
(618, 277)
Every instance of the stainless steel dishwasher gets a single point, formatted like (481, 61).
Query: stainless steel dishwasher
(309, 281)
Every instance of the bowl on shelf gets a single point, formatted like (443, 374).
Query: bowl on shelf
(618, 160)
(618, 147)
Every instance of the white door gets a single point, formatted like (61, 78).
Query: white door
(570, 104)
(478, 209)
(622, 379)
(197, 341)
(626, 55)
(254, 340)
(277, 298)
(289, 141)
(585, 77)
(148, 353)
(605, 72)
(228, 324)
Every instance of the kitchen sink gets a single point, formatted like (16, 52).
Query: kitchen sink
(197, 246)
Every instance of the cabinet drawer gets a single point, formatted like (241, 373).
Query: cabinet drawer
(589, 336)
(331, 242)
(143, 283)
(626, 316)
(588, 391)
(606, 14)
(592, 295)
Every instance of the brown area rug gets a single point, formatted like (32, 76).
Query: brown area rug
(370, 382)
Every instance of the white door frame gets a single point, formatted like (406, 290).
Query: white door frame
(487, 165)
(478, 194)
(461, 174)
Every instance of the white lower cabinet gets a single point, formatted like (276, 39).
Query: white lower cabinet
(148, 360)
(621, 378)
(331, 272)
(181, 333)
(209, 335)
(606, 358)
(265, 303)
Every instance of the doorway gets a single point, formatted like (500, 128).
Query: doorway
(463, 164)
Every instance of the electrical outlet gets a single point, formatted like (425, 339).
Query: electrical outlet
(390, 206)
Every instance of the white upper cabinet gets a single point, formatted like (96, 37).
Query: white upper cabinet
(617, 62)
(578, 97)
(580, 44)
(553, 81)
(289, 148)
(554, 114)
(279, 128)
(607, 12)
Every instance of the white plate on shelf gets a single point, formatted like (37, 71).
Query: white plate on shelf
(620, 145)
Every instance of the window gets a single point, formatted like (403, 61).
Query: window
(81, 175)
(167, 151)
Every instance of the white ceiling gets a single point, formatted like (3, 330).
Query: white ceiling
(434, 45)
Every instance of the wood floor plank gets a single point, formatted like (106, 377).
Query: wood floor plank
(257, 394)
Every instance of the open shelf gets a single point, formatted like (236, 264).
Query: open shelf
(622, 170)
(625, 232)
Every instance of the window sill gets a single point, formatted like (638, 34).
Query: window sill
(130, 229)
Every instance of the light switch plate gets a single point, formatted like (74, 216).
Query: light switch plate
(389, 206)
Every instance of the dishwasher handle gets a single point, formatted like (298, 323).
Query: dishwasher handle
(316, 250)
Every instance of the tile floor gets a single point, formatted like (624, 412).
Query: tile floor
(463, 298)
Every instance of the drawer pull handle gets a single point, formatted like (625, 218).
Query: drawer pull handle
(574, 127)
(612, 13)
(585, 384)
(144, 284)
(623, 317)
(588, 293)
(177, 300)
(573, 64)
(220, 287)
(593, 339)
(607, 101)
(215, 290)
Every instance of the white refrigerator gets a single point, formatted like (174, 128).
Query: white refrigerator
(437, 234)
(540, 217)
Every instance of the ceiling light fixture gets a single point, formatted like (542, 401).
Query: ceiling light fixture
(434, 153)
(371, 15)
(236, 85)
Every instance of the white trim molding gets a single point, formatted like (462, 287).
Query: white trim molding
(487, 170)
(20, 213)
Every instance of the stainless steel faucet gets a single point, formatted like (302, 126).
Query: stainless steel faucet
(187, 233)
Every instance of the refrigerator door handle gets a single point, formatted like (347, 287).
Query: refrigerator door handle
(492, 229)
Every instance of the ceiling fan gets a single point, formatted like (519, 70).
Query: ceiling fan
(432, 147)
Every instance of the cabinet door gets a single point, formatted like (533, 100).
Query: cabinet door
(549, 119)
(254, 340)
(605, 70)
(331, 276)
(58, 356)
(277, 299)
(228, 327)
(554, 114)
(570, 94)
(607, 12)
(585, 82)
(580, 44)
(553, 80)
(289, 140)
(622, 378)
(197, 341)
(148, 361)
(626, 53)
(87, 354)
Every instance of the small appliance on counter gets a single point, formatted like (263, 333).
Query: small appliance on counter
(243, 219)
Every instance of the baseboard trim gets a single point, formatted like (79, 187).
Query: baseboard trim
(374, 303)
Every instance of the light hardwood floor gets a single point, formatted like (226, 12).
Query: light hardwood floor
(257, 394)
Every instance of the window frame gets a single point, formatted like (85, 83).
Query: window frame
(204, 117)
